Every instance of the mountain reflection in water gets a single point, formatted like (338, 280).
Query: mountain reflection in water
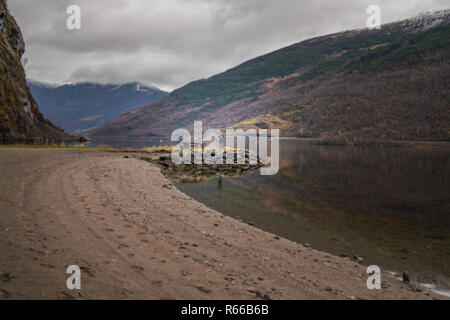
(390, 205)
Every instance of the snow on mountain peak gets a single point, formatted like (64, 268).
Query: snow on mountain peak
(427, 19)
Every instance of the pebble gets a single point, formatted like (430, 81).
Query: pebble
(358, 259)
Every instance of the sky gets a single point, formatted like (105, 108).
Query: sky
(169, 43)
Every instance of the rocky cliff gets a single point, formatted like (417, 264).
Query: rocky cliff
(20, 118)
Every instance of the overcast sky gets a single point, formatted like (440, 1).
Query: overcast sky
(168, 43)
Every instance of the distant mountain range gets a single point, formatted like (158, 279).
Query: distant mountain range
(20, 118)
(79, 108)
(388, 83)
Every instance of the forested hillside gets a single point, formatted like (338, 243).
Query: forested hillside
(386, 84)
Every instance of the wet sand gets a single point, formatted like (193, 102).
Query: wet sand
(135, 236)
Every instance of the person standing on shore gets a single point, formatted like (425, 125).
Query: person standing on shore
(219, 183)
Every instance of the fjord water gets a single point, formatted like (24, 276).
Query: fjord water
(127, 143)
(389, 205)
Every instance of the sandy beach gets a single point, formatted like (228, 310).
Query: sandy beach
(135, 236)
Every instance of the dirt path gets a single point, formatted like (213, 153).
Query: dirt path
(133, 237)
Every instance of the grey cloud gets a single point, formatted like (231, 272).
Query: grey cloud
(168, 43)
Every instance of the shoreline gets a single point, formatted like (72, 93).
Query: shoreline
(430, 277)
(137, 236)
(318, 141)
(387, 143)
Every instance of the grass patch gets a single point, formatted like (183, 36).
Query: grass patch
(50, 147)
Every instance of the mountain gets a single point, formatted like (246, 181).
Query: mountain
(387, 83)
(20, 118)
(81, 107)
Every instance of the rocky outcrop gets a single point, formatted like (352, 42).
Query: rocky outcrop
(20, 118)
(193, 173)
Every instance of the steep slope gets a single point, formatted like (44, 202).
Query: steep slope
(79, 108)
(20, 118)
(391, 83)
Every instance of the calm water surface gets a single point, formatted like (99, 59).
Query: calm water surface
(126, 143)
(390, 205)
